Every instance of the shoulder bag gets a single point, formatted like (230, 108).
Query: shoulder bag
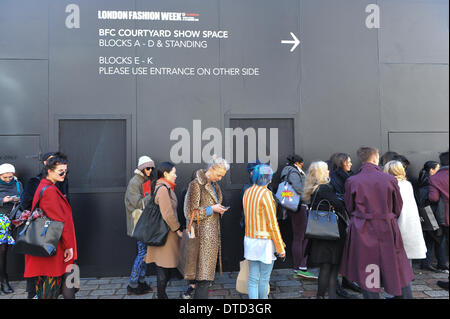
(323, 224)
(151, 228)
(287, 196)
(39, 236)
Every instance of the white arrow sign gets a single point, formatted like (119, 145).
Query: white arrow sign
(295, 42)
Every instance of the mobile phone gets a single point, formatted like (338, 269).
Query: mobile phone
(226, 207)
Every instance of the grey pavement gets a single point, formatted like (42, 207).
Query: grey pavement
(283, 286)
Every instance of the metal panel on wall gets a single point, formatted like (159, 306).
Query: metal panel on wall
(167, 102)
(339, 82)
(24, 97)
(23, 29)
(414, 31)
(79, 91)
(414, 97)
(256, 33)
(76, 87)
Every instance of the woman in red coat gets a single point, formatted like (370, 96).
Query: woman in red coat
(49, 271)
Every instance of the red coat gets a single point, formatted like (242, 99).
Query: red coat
(374, 241)
(56, 207)
(439, 188)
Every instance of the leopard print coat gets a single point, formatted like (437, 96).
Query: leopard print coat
(200, 194)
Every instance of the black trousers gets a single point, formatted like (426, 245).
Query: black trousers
(201, 289)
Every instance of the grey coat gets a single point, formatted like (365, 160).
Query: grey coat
(295, 178)
(133, 198)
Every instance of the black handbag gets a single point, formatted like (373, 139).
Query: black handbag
(323, 224)
(151, 229)
(40, 236)
(427, 218)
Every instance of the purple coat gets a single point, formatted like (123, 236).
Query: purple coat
(438, 188)
(374, 243)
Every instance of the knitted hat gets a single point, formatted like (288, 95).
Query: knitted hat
(7, 168)
(145, 161)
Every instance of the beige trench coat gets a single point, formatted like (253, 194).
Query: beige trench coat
(166, 256)
(199, 196)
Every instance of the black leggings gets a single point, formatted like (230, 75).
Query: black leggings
(162, 278)
(3, 251)
(328, 280)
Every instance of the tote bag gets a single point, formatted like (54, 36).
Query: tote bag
(151, 229)
(189, 250)
(242, 278)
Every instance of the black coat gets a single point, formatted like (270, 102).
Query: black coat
(26, 199)
(337, 180)
(327, 251)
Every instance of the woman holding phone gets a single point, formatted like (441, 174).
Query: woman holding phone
(10, 190)
(205, 196)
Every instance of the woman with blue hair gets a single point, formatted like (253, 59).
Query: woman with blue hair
(262, 233)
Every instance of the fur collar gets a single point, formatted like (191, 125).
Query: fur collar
(201, 177)
(211, 188)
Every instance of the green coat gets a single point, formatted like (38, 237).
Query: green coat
(134, 198)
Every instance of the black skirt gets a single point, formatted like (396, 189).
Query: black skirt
(321, 251)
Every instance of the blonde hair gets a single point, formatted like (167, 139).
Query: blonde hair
(396, 169)
(315, 176)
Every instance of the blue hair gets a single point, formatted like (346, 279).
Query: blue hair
(262, 174)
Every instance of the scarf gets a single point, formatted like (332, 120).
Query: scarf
(172, 185)
(12, 182)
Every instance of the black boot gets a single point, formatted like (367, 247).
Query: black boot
(135, 291)
(162, 278)
(350, 285)
(145, 287)
(6, 287)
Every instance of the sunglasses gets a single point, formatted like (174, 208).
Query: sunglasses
(148, 168)
(63, 173)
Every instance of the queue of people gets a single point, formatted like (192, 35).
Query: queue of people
(380, 228)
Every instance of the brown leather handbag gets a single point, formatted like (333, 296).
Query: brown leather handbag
(189, 250)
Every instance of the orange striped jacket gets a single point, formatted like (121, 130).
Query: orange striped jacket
(260, 216)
